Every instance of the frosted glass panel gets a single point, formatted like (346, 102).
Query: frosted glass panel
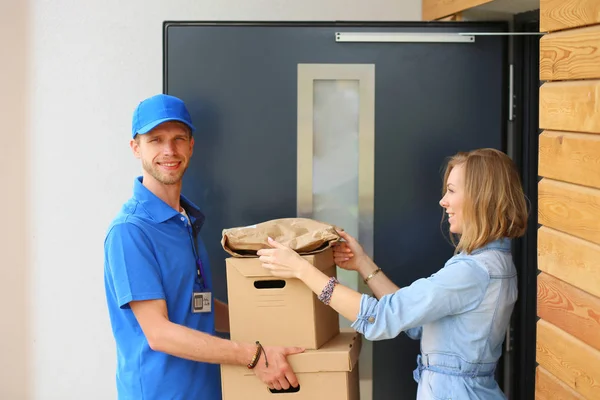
(335, 158)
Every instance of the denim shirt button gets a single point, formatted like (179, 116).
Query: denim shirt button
(371, 320)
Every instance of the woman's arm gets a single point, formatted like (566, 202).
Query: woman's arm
(458, 287)
(378, 282)
(343, 299)
(283, 262)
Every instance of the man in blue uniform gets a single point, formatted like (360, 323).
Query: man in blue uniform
(158, 281)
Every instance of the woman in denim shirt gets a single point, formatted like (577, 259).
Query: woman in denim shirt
(460, 313)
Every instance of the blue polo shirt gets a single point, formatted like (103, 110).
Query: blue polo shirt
(150, 254)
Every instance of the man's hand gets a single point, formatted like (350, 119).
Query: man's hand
(278, 375)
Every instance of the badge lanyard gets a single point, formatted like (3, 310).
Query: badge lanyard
(202, 299)
(200, 274)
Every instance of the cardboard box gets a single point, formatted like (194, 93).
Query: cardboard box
(328, 373)
(275, 311)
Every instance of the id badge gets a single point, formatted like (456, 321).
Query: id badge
(201, 302)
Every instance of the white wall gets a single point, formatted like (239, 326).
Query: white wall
(80, 69)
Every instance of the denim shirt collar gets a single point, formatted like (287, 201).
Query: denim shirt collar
(160, 211)
(502, 244)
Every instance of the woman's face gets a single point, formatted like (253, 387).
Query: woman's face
(453, 198)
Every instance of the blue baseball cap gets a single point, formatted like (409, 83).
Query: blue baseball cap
(158, 109)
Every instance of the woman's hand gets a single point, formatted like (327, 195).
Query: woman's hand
(349, 254)
(282, 261)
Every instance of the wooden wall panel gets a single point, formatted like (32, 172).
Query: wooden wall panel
(572, 54)
(570, 360)
(562, 14)
(570, 157)
(568, 247)
(570, 208)
(570, 259)
(570, 106)
(436, 9)
(570, 309)
(548, 387)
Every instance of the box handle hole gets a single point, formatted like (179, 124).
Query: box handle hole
(282, 391)
(270, 284)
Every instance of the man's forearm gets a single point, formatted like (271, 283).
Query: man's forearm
(379, 283)
(221, 316)
(183, 342)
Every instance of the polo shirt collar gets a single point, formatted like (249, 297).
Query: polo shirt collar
(160, 211)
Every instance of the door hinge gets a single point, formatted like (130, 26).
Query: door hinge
(512, 97)
(510, 331)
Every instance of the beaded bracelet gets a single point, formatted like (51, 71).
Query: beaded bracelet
(325, 295)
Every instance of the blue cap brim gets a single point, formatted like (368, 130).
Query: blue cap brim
(147, 128)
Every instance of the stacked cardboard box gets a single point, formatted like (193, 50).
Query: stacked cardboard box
(284, 312)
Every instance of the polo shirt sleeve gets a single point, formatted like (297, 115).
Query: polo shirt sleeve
(132, 265)
(457, 288)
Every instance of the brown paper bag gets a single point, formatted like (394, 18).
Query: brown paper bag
(305, 236)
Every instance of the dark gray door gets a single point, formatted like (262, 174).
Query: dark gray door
(431, 100)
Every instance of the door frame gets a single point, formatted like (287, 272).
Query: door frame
(519, 371)
(526, 131)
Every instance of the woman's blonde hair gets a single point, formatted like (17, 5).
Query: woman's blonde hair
(494, 203)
